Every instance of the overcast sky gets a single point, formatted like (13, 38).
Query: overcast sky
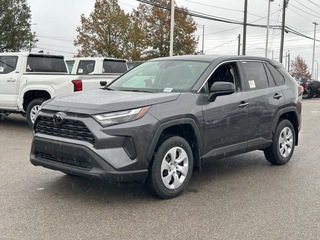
(55, 22)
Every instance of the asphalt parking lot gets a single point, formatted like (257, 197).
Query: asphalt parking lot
(242, 197)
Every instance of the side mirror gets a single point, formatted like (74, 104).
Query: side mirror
(219, 89)
(103, 83)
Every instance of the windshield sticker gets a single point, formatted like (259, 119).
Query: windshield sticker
(1, 69)
(252, 84)
(167, 90)
(80, 70)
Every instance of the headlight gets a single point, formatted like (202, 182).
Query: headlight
(107, 119)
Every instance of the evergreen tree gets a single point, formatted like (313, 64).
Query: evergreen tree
(15, 26)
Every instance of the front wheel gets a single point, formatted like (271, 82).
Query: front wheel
(171, 168)
(282, 148)
(33, 109)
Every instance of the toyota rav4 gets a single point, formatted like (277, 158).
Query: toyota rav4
(159, 121)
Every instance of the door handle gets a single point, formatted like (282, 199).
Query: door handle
(277, 96)
(243, 104)
(11, 80)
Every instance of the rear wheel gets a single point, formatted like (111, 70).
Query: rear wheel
(33, 109)
(171, 168)
(308, 93)
(282, 148)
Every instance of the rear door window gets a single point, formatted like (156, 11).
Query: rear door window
(256, 76)
(8, 64)
(86, 66)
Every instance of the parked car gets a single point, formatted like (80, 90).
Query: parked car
(311, 88)
(158, 122)
(28, 79)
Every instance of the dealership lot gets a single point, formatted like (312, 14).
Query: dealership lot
(241, 197)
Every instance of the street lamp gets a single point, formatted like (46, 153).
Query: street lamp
(317, 69)
(314, 46)
(202, 26)
(171, 28)
(267, 37)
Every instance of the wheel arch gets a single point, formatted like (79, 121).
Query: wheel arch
(185, 128)
(34, 94)
(290, 114)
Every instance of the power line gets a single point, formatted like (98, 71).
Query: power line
(225, 20)
(314, 3)
(207, 5)
(304, 11)
(223, 8)
(306, 7)
(240, 26)
(299, 14)
(55, 38)
(202, 15)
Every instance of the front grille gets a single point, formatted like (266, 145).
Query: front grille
(72, 129)
(75, 161)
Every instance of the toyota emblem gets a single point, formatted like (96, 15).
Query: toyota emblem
(58, 119)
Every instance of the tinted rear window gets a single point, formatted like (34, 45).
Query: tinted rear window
(277, 76)
(39, 63)
(111, 66)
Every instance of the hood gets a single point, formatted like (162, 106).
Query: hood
(98, 101)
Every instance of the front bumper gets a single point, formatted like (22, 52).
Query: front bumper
(79, 160)
(82, 147)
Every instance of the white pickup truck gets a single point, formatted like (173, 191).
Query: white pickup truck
(96, 65)
(28, 79)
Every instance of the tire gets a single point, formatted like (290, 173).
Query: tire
(284, 139)
(169, 177)
(307, 94)
(33, 109)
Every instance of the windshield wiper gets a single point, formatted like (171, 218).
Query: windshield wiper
(107, 88)
(135, 90)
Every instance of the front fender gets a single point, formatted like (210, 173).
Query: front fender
(172, 123)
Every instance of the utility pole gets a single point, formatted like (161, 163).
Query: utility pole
(317, 70)
(288, 60)
(171, 28)
(314, 46)
(267, 37)
(203, 40)
(285, 4)
(239, 44)
(245, 27)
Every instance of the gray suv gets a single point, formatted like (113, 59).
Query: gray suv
(159, 121)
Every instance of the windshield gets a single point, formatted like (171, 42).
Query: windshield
(161, 76)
